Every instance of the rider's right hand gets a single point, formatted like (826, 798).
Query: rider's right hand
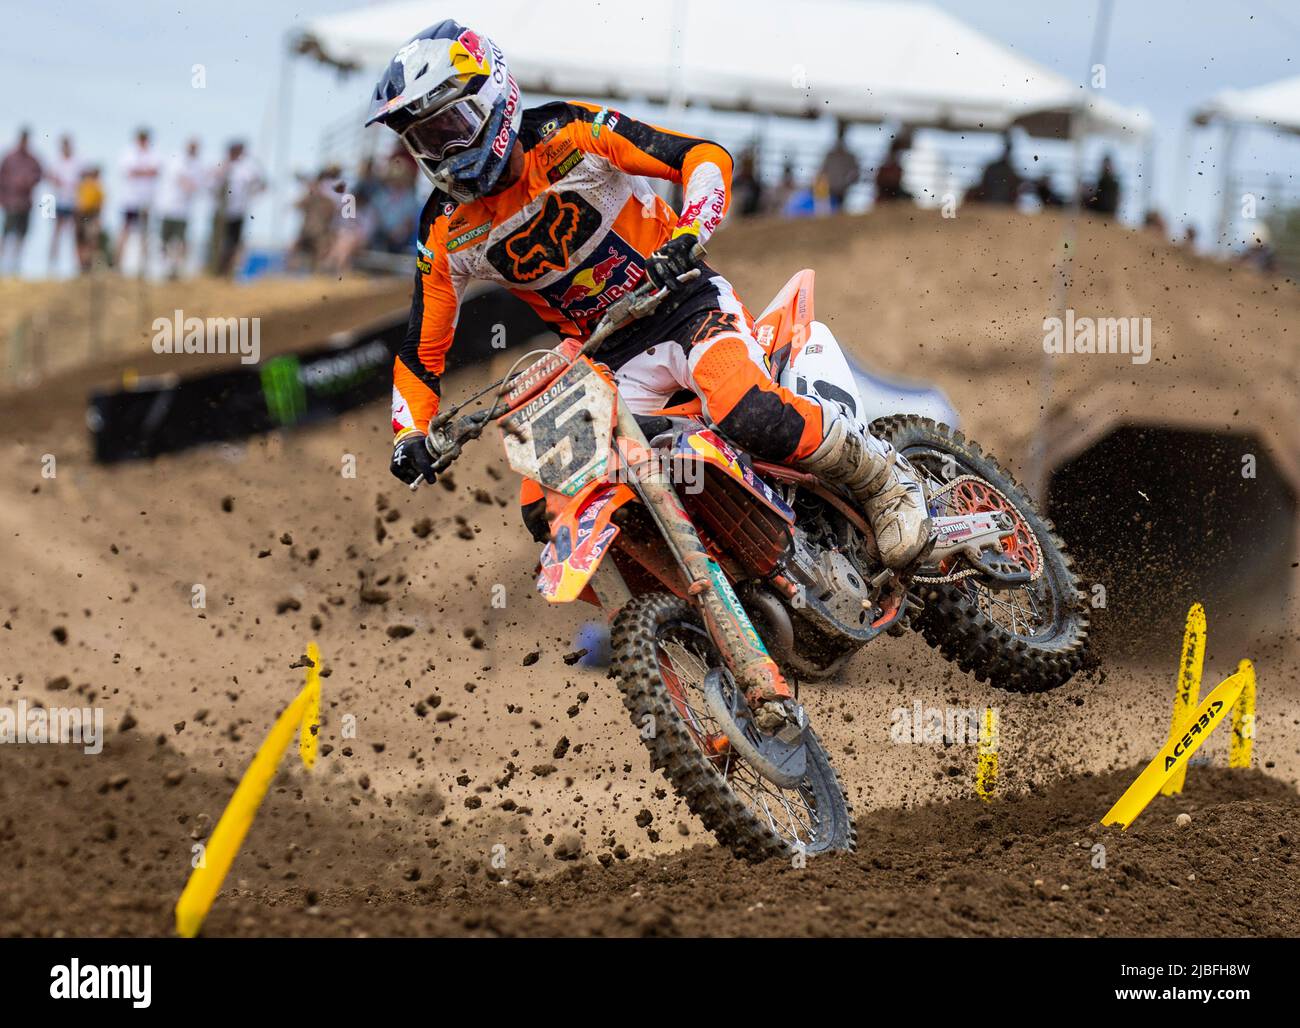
(411, 458)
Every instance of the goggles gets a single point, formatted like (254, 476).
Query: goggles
(452, 128)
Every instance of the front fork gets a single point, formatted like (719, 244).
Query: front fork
(732, 632)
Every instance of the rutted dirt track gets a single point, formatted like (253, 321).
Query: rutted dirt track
(103, 861)
(474, 733)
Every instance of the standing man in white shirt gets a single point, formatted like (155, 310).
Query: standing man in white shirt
(239, 180)
(139, 168)
(64, 173)
(181, 181)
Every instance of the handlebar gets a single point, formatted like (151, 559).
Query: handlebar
(448, 435)
(636, 304)
(445, 443)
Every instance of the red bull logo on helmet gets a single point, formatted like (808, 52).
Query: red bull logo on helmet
(469, 54)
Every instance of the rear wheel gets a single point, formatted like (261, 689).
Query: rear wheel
(661, 655)
(1028, 638)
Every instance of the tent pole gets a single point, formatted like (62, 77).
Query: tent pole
(283, 134)
(1177, 230)
(1066, 255)
(1226, 201)
(1148, 174)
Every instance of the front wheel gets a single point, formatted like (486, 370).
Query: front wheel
(1027, 639)
(661, 657)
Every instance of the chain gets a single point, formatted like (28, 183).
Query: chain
(953, 483)
(956, 576)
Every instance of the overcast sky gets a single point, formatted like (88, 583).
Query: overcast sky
(97, 69)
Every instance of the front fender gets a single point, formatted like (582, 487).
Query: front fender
(580, 537)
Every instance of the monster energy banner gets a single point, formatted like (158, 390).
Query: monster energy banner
(162, 416)
(165, 415)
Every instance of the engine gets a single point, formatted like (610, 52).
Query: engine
(834, 596)
(819, 606)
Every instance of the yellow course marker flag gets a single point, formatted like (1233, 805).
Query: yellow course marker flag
(1173, 755)
(302, 715)
(1243, 719)
(308, 731)
(986, 776)
(1188, 693)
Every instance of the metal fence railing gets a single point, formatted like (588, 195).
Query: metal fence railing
(938, 164)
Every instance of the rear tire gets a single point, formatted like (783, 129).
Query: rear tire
(724, 803)
(954, 618)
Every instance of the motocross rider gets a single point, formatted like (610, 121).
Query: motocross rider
(552, 203)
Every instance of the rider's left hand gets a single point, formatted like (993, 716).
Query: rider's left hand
(411, 458)
(672, 260)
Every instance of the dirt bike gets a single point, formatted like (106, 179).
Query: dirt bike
(721, 573)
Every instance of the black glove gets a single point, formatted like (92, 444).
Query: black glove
(672, 259)
(411, 458)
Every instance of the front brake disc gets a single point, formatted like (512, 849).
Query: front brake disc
(783, 764)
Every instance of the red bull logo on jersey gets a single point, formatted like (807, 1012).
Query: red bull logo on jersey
(590, 281)
(610, 271)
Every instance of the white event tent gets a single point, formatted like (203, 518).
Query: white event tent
(1273, 106)
(860, 61)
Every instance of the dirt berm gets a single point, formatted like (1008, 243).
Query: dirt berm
(474, 738)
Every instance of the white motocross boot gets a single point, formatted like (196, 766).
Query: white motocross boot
(883, 483)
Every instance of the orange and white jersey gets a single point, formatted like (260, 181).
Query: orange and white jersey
(569, 237)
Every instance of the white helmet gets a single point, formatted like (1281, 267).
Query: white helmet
(451, 98)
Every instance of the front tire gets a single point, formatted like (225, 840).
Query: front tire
(965, 620)
(661, 653)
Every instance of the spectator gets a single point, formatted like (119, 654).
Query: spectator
(20, 172)
(396, 211)
(239, 180)
(999, 183)
(1259, 252)
(1155, 222)
(1047, 195)
(351, 235)
(746, 189)
(799, 201)
(779, 199)
(840, 169)
(90, 232)
(369, 182)
(889, 176)
(1103, 198)
(181, 181)
(821, 195)
(65, 175)
(316, 206)
(139, 167)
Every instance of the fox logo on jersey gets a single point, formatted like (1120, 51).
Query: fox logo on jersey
(544, 242)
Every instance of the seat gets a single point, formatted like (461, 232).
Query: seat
(783, 327)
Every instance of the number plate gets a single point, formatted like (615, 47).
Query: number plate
(561, 437)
